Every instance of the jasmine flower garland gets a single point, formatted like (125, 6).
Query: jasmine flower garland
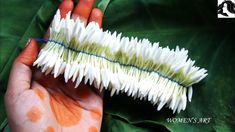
(137, 67)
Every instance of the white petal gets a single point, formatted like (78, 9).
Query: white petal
(72, 70)
(56, 68)
(66, 72)
(81, 72)
(105, 77)
(184, 99)
(190, 93)
(162, 103)
(75, 73)
(91, 75)
(176, 105)
(77, 82)
(62, 67)
(44, 68)
(112, 92)
(101, 87)
(48, 70)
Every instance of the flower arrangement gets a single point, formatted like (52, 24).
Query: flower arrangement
(137, 67)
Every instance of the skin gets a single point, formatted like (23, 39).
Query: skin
(35, 102)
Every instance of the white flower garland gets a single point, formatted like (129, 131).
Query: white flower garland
(136, 67)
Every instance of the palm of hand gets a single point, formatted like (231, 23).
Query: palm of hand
(52, 105)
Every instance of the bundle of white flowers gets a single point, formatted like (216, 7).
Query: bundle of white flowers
(107, 60)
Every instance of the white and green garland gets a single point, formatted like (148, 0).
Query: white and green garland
(107, 60)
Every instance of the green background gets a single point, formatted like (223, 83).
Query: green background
(192, 24)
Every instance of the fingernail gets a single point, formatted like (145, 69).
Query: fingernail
(28, 42)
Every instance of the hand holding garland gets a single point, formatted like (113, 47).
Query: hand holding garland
(35, 102)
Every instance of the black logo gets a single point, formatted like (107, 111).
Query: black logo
(222, 10)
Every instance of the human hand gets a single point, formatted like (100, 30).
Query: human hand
(36, 102)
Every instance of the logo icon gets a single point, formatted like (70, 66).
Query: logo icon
(226, 9)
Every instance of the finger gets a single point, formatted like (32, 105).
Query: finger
(96, 16)
(20, 76)
(29, 54)
(83, 10)
(64, 7)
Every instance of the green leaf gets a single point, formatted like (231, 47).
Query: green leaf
(6, 129)
(3, 124)
(187, 23)
(103, 4)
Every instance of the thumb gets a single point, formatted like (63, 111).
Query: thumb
(21, 73)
